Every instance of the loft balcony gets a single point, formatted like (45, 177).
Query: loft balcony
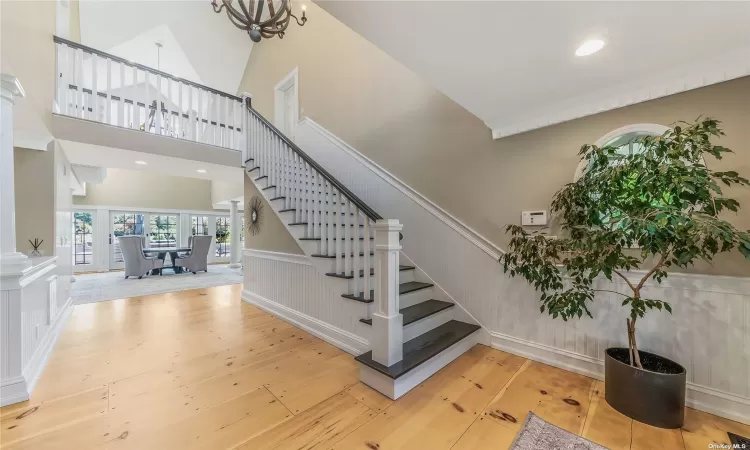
(102, 99)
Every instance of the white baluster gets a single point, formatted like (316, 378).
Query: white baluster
(331, 221)
(79, 83)
(367, 266)
(356, 249)
(305, 199)
(298, 196)
(347, 238)
(199, 113)
(147, 102)
(313, 202)
(94, 88)
(108, 98)
(387, 322)
(235, 141)
(324, 208)
(340, 235)
(65, 79)
(121, 105)
(136, 111)
(157, 113)
(59, 58)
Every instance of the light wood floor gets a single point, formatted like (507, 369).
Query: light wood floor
(203, 370)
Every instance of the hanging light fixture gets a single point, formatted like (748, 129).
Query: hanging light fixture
(258, 21)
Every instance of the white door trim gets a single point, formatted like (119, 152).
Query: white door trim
(290, 80)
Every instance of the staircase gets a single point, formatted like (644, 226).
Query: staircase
(411, 324)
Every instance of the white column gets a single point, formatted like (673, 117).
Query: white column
(10, 260)
(387, 322)
(234, 234)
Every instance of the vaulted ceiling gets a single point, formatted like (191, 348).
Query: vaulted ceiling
(198, 44)
(512, 64)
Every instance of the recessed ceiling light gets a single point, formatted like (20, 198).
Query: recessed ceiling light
(141, 162)
(590, 46)
(201, 170)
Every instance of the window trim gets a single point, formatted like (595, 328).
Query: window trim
(647, 128)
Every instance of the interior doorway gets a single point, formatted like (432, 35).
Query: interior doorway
(286, 104)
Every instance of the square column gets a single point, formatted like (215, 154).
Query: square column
(10, 260)
(387, 322)
(234, 235)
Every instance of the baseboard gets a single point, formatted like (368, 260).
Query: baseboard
(13, 390)
(699, 397)
(38, 362)
(342, 339)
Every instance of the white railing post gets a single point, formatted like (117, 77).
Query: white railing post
(245, 118)
(387, 322)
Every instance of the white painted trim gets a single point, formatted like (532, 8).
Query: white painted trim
(38, 362)
(735, 64)
(278, 256)
(19, 389)
(699, 397)
(149, 210)
(342, 339)
(454, 223)
(291, 79)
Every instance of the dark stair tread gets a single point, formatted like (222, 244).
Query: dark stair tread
(403, 288)
(268, 187)
(422, 348)
(419, 311)
(401, 268)
(278, 198)
(343, 255)
(334, 239)
(256, 167)
(335, 224)
(248, 160)
(295, 209)
(261, 177)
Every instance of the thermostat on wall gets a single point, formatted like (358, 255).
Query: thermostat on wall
(534, 218)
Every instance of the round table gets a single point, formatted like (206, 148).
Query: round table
(162, 254)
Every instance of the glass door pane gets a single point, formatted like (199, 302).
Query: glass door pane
(223, 240)
(199, 225)
(163, 232)
(124, 224)
(83, 238)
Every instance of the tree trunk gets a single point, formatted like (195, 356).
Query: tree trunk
(632, 346)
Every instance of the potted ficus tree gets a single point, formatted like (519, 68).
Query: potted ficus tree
(648, 211)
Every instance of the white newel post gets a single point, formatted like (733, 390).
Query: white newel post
(387, 322)
(10, 260)
(234, 235)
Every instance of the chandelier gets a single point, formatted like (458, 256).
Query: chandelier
(258, 21)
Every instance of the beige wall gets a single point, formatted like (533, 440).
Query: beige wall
(273, 235)
(75, 21)
(130, 188)
(388, 113)
(35, 199)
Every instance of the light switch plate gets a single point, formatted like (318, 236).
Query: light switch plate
(534, 218)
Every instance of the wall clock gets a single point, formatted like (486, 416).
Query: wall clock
(254, 219)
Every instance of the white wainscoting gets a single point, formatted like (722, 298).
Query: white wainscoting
(290, 287)
(709, 332)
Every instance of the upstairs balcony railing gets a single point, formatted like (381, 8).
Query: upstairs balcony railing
(98, 86)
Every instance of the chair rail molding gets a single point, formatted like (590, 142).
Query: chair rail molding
(464, 230)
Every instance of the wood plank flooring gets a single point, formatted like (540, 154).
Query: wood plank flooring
(201, 369)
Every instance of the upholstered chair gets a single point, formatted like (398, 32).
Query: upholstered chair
(136, 263)
(197, 259)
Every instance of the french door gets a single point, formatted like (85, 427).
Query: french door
(124, 223)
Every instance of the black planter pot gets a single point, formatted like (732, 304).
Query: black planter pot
(656, 399)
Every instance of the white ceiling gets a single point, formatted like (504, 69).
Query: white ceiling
(198, 44)
(512, 64)
(117, 158)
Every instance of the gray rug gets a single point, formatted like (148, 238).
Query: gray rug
(537, 434)
(97, 287)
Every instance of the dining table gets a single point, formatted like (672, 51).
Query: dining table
(161, 253)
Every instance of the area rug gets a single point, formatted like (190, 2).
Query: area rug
(97, 287)
(537, 434)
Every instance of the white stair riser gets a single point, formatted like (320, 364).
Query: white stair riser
(396, 388)
(422, 326)
(412, 298)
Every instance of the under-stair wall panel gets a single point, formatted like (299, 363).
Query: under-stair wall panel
(291, 287)
(708, 333)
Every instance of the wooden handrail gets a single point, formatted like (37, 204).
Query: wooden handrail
(369, 212)
(87, 49)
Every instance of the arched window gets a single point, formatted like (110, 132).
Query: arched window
(625, 139)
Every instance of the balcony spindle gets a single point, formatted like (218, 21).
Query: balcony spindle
(367, 265)
(356, 249)
(157, 106)
(79, 83)
(147, 103)
(121, 104)
(136, 111)
(94, 113)
(108, 98)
